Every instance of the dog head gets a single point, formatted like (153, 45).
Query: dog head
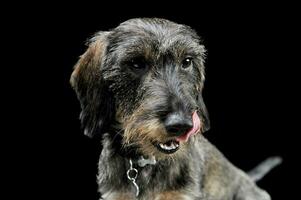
(145, 78)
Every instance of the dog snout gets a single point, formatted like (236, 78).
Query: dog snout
(177, 124)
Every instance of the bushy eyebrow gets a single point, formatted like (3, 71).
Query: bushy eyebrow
(151, 49)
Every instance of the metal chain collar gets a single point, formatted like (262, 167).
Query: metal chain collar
(132, 175)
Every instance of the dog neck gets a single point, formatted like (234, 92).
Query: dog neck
(114, 164)
(132, 172)
(135, 161)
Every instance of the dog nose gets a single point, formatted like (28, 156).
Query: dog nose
(177, 124)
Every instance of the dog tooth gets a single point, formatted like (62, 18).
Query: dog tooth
(172, 146)
(165, 147)
(176, 144)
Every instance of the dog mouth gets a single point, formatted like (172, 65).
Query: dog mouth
(173, 145)
(168, 147)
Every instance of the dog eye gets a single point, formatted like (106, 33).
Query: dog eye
(138, 64)
(187, 62)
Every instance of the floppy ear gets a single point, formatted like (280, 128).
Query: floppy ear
(204, 113)
(199, 87)
(92, 91)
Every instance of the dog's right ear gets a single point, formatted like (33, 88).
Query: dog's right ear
(87, 81)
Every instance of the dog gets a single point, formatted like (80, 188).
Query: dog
(140, 89)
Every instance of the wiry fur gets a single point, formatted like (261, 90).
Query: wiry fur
(128, 81)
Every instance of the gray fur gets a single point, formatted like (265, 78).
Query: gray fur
(263, 168)
(112, 89)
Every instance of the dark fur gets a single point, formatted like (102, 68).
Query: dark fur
(128, 107)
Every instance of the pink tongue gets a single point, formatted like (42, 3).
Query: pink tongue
(194, 130)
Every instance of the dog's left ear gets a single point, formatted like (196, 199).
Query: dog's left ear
(199, 87)
(204, 113)
(95, 99)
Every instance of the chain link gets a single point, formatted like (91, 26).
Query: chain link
(132, 175)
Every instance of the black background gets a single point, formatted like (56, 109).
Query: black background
(250, 89)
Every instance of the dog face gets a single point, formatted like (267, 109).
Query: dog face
(144, 78)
